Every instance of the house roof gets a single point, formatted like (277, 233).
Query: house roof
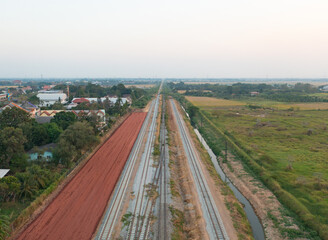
(11, 105)
(42, 119)
(80, 100)
(3, 172)
(51, 96)
(27, 104)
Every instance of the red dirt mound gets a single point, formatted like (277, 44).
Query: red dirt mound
(78, 208)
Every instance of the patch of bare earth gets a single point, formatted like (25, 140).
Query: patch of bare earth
(262, 199)
(184, 194)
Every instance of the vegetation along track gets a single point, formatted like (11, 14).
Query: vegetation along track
(214, 224)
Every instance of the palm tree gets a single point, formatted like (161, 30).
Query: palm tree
(4, 226)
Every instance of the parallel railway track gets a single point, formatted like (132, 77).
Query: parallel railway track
(214, 224)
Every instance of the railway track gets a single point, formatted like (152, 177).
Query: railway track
(163, 186)
(110, 218)
(139, 226)
(214, 224)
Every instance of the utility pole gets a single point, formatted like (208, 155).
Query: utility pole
(226, 151)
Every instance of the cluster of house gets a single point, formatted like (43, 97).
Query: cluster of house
(49, 97)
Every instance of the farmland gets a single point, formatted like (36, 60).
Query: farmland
(289, 140)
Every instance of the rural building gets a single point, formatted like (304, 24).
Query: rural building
(26, 106)
(17, 82)
(48, 114)
(3, 97)
(3, 172)
(90, 100)
(33, 110)
(254, 93)
(48, 87)
(48, 98)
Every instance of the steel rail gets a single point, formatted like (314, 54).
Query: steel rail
(133, 229)
(120, 190)
(209, 207)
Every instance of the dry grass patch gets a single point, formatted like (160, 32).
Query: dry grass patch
(304, 106)
(212, 102)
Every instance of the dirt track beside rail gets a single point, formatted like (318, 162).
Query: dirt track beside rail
(76, 211)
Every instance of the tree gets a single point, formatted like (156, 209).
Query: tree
(4, 226)
(12, 117)
(11, 145)
(12, 186)
(34, 100)
(53, 131)
(80, 135)
(73, 141)
(39, 135)
(64, 119)
(27, 128)
(58, 106)
(64, 153)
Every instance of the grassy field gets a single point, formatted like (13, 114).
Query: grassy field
(139, 85)
(291, 145)
(208, 102)
(211, 103)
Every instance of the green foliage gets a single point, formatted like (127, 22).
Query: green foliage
(64, 119)
(11, 145)
(53, 131)
(76, 139)
(300, 92)
(34, 100)
(9, 188)
(141, 97)
(256, 150)
(4, 226)
(12, 117)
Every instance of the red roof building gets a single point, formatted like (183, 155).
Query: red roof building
(81, 100)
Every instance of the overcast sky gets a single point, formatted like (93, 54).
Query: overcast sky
(167, 38)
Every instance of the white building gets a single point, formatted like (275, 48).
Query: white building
(48, 98)
(76, 101)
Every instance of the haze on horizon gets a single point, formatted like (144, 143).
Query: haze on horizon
(186, 38)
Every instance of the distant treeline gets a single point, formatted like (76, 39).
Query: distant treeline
(278, 92)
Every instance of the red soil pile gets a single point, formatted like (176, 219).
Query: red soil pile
(78, 208)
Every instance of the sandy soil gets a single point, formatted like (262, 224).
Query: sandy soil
(76, 211)
(186, 201)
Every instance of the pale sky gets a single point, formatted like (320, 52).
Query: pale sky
(167, 38)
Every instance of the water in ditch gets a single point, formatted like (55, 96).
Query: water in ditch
(254, 221)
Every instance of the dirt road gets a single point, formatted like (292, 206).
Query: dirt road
(76, 211)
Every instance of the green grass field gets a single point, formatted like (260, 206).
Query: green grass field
(291, 145)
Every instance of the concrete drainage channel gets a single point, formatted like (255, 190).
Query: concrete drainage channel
(256, 225)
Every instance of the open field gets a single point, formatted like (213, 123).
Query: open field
(8, 87)
(213, 102)
(216, 103)
(140, 85)
(291, 145)
(73, 214)
(222, 82)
